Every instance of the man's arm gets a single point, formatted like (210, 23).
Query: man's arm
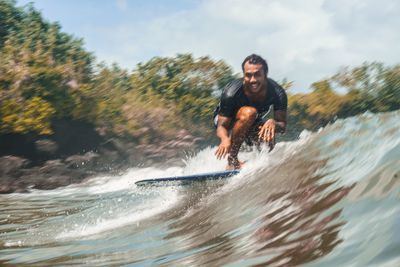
(280, 121)
(223, 134)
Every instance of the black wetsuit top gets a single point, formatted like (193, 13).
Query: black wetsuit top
(233, 98)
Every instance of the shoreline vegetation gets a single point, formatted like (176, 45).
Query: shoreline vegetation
(64, 117)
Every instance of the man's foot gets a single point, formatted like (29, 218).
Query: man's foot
(234, 164)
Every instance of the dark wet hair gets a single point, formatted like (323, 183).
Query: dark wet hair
(256, 59)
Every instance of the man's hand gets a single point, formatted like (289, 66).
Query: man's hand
(224, 148)
(267, 133)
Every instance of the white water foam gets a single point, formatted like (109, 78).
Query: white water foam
(128, 217)
(104, 184)
(104, 203)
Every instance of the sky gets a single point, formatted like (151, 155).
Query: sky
(302, 41)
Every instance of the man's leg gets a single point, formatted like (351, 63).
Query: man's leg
(245, 117)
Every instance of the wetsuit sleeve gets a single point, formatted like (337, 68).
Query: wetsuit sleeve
(281, 101)
(227, 105)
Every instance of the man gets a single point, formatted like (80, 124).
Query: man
(242, 110)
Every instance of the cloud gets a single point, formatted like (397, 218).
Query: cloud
(122, 5)
(303, 41)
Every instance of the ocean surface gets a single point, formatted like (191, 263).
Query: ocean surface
(330, 198)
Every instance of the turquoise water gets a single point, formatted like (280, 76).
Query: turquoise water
(330, 198)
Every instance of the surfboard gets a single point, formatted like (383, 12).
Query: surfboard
(187, 178)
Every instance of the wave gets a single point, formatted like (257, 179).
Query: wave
(312, 201)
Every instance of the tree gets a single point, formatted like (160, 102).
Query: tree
(316, 109)
(181, 86)
(40, 65)
(371, 86)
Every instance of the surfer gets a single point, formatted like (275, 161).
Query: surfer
(241, 115)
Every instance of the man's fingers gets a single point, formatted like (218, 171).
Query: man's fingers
(221, 152)
(270, 135)
(218, 153)
(261, 129)
(265, 135)
(260, 134)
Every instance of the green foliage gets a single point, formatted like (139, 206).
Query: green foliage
(37, 61)
(40, 65)
(371, 86)
(9, 18)
(47, 74)
(25, 116)
(174, 78)
(312, 110)
(183, 86)
(110, 87)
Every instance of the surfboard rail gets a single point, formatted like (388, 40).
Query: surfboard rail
(188, 178)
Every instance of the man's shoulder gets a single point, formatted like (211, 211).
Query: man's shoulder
(279, 95)
(276, 87)
(274, 84)
(232, 88)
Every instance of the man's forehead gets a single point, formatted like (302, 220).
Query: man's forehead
(249, 67)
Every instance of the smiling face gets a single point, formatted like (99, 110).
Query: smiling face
(254, 78)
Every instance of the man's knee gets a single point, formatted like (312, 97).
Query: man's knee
(247, 114)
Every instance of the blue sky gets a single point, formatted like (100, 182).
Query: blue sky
(304, 41)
